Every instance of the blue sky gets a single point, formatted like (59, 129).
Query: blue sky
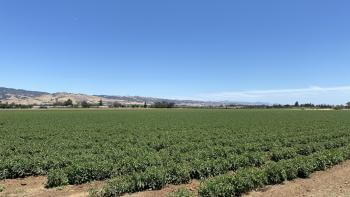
(249, 50)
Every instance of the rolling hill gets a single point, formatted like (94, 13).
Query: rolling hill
(26, 97)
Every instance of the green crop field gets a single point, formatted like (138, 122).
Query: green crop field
(137, 150)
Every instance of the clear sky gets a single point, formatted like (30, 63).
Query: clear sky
(249, 50)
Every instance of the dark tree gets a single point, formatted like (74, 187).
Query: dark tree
(100, 103)
(296, 104)
(68, 102)
(163, 104)
(309, 105)
(117, 104)
(145, 105)
(85, 104)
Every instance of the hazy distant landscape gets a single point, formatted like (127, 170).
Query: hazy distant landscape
(25, 97)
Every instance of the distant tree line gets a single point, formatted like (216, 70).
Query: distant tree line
(296, 105)
(83, 104)
(163, 104)
(120, 105)
(14, 106)
(66, 103)
(86, 104)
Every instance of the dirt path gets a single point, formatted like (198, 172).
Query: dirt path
(334, 182)
(193, 186)
(35, 187)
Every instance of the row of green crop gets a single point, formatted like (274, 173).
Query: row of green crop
(120, 163)
(156, 178)
(175, 173)
(78, 172)
(248, 179)
(191, 169)
(179, 172)
(307, 149)
(14, 147)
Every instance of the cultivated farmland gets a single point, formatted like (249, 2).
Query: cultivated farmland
(230, 151)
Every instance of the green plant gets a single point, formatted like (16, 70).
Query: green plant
(56, 178)
(304, 167)
(154, 178)
(118, 186)
(285, 153)
(290, 169)
(276, 173)
(178, 174)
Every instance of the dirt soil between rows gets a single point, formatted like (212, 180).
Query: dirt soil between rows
(334, 182)
(35, 187)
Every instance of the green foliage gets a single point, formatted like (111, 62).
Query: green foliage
(2, 188)
(284, 153)
(234, 150)
(178, 173)
(85, 172)
(276, 173)
(291, 171)
(219, 186)
(205, 168)
(152, 178)
(56, 178)
(255, 159)
(118, 186)
(234, 185)
(304, 167)
(272, 173)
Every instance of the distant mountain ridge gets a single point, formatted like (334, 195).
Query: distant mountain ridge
(20, 96)
(5, 92)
